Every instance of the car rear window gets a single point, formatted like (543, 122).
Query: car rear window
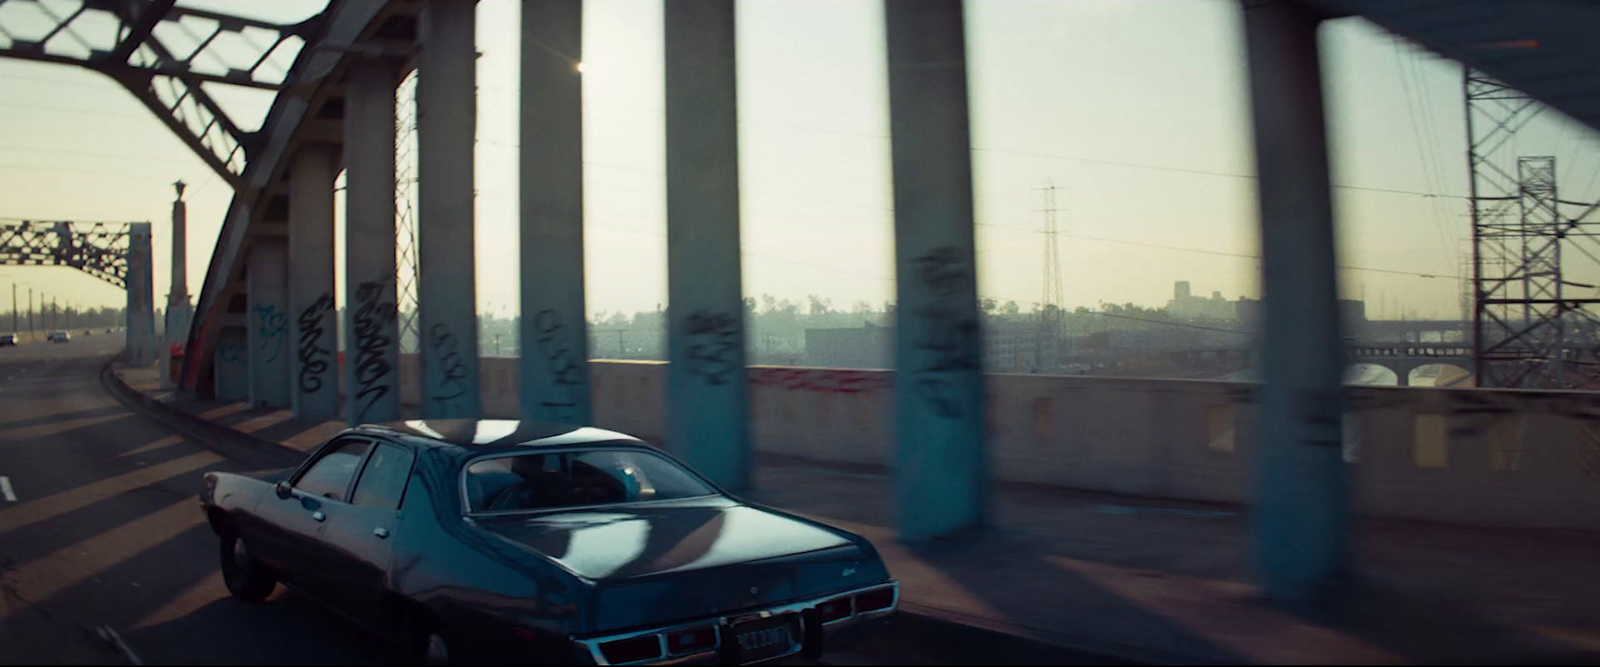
(547, 480)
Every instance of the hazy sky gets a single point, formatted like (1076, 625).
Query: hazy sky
(1136, 109)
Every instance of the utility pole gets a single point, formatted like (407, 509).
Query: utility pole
(30, 313)
(14, 321)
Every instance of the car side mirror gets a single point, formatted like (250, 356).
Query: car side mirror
(284, 489)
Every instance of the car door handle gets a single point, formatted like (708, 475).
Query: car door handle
(318, 516)
(381, 532)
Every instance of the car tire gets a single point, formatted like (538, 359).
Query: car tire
(421, 641)
(435, 650)
(245, 577)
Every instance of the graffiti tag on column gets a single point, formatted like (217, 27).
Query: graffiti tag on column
(453, 372)
(555, 343)
(372, 315)
(313, 356)
(230, 351)
(713, 345)
(949, 343)
(270, 325)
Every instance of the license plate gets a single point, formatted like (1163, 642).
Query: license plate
(765, 638)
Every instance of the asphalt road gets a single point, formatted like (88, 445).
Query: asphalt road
(100, 529)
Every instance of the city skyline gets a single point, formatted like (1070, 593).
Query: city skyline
(1137, 110)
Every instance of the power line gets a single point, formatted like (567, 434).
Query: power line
(1219, 253)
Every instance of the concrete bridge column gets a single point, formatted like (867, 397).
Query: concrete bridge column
(314, 362)
(231, 370)
(372, 350)
(707, 400)
(1302, 501)
(446, 269)
(140, 343)
(266, 277)
(554, 334)
(940, 459)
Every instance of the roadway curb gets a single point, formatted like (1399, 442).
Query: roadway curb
(965, 636)
(221, 439)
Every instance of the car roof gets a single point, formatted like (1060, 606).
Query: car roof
(493, 433)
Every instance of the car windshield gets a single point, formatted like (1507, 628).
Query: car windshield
(547, 480)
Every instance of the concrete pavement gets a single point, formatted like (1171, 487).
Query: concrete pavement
(105, 533)
(1065, 575)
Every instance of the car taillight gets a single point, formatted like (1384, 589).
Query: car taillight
(833, 610)
(874, 600)
(646, 647)
(692, 641)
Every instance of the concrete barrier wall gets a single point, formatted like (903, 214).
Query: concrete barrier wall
(1487, 457)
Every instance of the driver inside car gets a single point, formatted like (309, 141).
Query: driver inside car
(538, 489)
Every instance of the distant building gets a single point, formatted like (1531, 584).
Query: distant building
(854, 347)
(1011, 345)
(1186, 306)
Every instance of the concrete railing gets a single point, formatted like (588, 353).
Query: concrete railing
(1485, 457)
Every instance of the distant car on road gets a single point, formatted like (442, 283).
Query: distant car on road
(9, 339)
(520, 541)
(60, 337)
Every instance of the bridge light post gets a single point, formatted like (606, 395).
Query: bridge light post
(1301, 510)
(141, 318)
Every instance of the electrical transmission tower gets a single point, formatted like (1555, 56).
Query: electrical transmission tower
(1521, 313)
(1049, 339)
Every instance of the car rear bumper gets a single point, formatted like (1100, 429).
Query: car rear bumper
(815, 634)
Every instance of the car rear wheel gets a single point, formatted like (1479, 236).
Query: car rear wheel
(436, 651)
(246, 578)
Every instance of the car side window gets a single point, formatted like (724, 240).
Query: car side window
(330, 476)
(383, 481)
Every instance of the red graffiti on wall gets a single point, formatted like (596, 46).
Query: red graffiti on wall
(832, 381)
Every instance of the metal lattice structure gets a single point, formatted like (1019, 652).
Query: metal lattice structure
(1522, 314)
(405, 205)
(167, 56)
(1050, 319)
(99, 249)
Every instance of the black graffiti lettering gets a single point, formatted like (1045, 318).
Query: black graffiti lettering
(950, 342)
(230, 351)
(372, 315)
(560, 361)
(940, 393)
(452, 383)
(713, 346)
(313, 356)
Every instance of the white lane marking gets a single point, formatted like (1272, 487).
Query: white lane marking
(5, 489)
(110, 636)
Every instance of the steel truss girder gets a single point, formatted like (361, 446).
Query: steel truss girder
(99, 249)
(166, 74)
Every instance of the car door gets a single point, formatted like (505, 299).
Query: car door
(361, 538)
(290, 528)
